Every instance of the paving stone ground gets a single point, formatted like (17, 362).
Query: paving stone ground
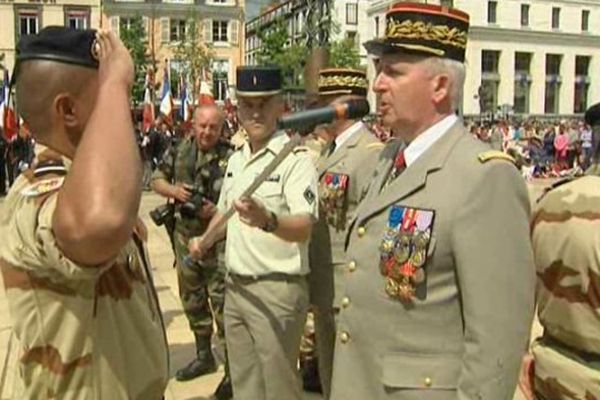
(181, 343)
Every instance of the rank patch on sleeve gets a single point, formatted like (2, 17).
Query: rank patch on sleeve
(309, 195)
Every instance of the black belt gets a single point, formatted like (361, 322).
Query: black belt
(273, 276)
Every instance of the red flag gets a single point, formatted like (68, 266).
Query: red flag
(148, 112)
(10, 123)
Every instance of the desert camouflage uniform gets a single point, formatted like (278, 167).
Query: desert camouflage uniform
(84, 332)
(204, 170)
(566, 238)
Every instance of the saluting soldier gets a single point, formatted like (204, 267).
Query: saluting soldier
(191, 174)
(565, 233)
(73, 259)
(266, 254)
(344, 167)
(439, 287)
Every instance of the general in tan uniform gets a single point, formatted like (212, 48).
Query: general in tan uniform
(344, 167)
(266, 252)
(78, 282)
(566, 233)
(439, 289)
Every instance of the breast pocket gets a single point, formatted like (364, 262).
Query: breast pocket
(271, 195)
(421, 376)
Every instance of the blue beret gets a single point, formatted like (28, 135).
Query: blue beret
(60, 44)
(254, 81)
(592, 115)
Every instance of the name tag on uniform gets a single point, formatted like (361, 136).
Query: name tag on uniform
(273, 178)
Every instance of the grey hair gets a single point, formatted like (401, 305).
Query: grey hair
(203, 107)
(454, 69)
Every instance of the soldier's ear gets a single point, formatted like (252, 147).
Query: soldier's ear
(64, 107)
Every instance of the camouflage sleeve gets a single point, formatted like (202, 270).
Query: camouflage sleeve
(165, 168)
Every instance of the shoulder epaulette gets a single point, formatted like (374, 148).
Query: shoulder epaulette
(300, 149)
(376, 145)
(43, 187)
(49, 167)
(488, 155)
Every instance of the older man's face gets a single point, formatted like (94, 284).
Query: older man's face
(208, 125)
(405, 91)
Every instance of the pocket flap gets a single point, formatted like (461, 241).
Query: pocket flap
(427, 371)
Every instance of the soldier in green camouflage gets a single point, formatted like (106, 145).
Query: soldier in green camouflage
(192, 174)
(566, 233)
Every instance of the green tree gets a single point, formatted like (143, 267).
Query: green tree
(133, 37)
(344, 54)
(276, 50)
(193, 54)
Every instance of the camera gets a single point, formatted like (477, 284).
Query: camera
(187, 210)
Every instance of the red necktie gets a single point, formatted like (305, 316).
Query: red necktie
(398, 167)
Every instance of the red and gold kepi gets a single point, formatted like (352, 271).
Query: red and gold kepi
(424, 29)
(340, 81)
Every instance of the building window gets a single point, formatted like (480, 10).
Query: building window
(126, 23)
(177, 30)
(582, 83)
(351, 13)
(524, 14)
(490, 79)
(219, 31)
(77, 18)
(376, 27)
(555, 18)
(553, 81)
(220, 75)
(491, 12)
(585, 20)
(522, 82)
(447, 3)
(29, 21)
(489, 61)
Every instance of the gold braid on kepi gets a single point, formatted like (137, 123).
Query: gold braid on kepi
(425, 29)
(342, 81)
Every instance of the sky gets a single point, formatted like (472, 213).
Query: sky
(253, 7)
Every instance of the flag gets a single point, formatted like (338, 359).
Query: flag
(206, 95)
(186, 103)
(148, 113)
(7, 110)
(166, 98)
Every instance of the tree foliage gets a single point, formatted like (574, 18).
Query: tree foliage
(344, 54)
(134, 38)
(277, 50)
(193, 53)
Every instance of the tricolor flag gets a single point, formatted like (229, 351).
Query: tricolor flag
(8, 119)
(186, 101)
(166, 98)
(206, 94)
(148, 113)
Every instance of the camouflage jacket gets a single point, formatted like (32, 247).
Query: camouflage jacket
(186, 164)
(84, 332)
(566, 234)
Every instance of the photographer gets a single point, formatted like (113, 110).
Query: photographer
(191, 174)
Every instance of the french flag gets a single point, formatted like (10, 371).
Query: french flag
(166, 102)
(8, 118)
(148, 113)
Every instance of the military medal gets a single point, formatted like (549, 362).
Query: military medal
(403, 251)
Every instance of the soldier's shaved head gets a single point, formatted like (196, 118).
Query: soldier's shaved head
(38, 85)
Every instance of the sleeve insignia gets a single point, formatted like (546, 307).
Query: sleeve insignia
(494, 155)
(309, 195)
(42, 187)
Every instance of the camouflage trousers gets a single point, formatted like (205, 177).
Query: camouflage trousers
(202, 293)
(562, 374)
